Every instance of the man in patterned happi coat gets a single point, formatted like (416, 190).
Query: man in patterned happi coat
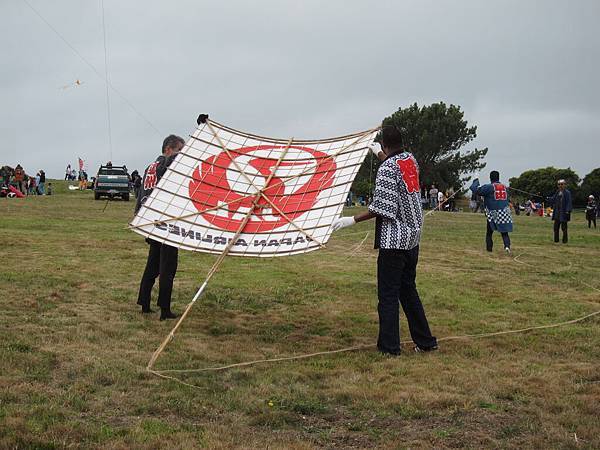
(396, 206)
(497, 209)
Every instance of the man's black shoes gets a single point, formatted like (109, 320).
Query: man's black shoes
(167, 314)
(425, 349)
(164, 313)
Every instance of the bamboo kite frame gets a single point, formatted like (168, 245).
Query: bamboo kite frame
(360, 136)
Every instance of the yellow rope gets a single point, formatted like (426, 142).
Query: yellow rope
(161, 373)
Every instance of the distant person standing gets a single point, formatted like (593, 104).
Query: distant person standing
(42, 183)
(473, 202)
(4, 176)
(562, 206)
(450, 196)
(68, 173)
(433, 197)
(32, 187)
(497, 209)
(590, 211)
(440, 199)
(137, 184)
(162, 258)
(82, 180)
(517, 208)
(19, 178)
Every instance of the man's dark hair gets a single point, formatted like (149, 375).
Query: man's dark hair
(494, 176)
(392, 136)
(171, 141)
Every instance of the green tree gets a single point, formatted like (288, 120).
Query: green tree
(435, 134)
(591, 185)
(542, 182)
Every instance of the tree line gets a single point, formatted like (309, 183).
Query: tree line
(436, 135)
(541, 183)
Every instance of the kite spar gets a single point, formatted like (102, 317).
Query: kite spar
(233, 193)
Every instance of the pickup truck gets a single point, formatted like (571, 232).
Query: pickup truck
(112, 181)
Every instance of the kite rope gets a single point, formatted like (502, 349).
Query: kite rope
(91, 66)
(297, 141)
(161, 373)
(531, 194)
(444, 202)
(357, 248)
(107, 84)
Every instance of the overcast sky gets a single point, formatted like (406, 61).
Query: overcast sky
(525, 72)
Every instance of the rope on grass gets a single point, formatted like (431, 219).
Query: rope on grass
(161, 373)
(366, 346)
(357, 248)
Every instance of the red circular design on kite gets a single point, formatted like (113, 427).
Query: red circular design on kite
(210, 186)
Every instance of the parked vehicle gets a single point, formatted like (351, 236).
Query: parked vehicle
(112, 181)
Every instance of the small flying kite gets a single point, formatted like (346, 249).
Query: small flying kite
(75, 84)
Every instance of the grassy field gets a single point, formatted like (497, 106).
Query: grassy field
(73, 345)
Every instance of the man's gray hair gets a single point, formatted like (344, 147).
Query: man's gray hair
(171, 141)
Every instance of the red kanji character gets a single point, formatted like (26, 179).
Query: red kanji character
(150, 178)
(410, 174)
(500, 191)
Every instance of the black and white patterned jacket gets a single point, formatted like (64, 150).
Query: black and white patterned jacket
(397, 203)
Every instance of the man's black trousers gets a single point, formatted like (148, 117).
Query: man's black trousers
(557, 225)
(162, 263)
(396, 273)
(489, 242)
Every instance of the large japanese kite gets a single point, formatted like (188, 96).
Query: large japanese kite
(235, 193)
(250, 195)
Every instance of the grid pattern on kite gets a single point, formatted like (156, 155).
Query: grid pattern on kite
(220, 177)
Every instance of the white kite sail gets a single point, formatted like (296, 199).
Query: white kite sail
(249, 195)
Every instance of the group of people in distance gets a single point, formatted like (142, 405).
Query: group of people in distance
(70, 173)
(25, 184)
(439, 199)
(397, 209)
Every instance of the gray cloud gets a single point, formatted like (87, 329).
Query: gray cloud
(525, 72)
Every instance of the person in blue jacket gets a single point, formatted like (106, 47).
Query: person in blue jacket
(497, 209)
(562, 206)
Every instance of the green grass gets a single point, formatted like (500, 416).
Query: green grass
(73, 345)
